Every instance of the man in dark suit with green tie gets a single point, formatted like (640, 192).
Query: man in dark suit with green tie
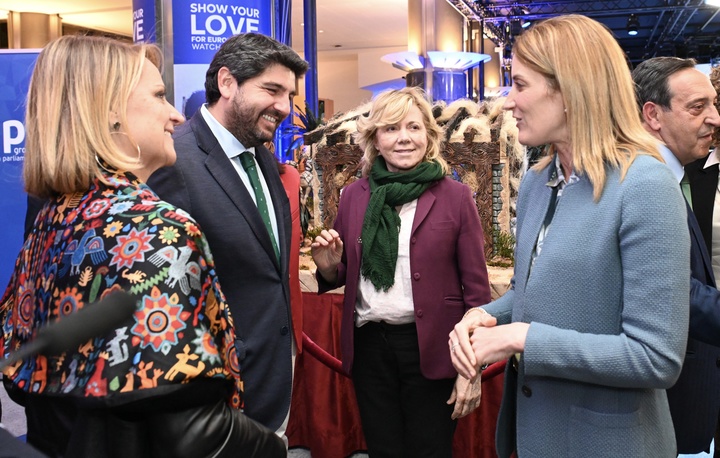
(229, 182)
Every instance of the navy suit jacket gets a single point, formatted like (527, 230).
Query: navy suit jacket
(204, 183)
(695, 398)
(705, 310)
(703, 183)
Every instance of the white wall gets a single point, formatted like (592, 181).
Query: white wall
(342, 74)
(372, 70)
(338, 81)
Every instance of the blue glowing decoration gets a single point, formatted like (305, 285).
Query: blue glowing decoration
(449, 81)
(456, 60)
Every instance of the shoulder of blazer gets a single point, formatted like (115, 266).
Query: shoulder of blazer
(355, 197)
(265, 158)
(698, 166)
(703, 182)
(359, 186)
(203, 137)
(448, 185)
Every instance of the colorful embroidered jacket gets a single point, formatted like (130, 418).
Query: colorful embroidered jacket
(120, 236)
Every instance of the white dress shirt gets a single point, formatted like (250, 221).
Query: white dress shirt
(233, 148)
(715, 243)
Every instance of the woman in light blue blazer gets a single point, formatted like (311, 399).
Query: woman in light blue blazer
(595, 324)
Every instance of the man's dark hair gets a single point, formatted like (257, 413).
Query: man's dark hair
(651, 79)
(247, 56)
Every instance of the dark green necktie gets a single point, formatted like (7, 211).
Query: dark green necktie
(685, 186)
(248, 162)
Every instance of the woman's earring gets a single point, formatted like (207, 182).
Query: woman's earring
(116, 126)
(102, 165)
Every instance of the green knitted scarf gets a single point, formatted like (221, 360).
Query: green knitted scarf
(382, 223)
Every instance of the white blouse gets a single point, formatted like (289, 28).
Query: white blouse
(395, 306)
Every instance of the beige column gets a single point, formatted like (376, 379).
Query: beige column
(433, 25)
(32, 30)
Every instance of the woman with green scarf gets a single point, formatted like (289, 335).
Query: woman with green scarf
(407, 245)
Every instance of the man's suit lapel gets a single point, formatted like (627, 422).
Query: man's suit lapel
(703, 183)
(697, 245)
(222, 170)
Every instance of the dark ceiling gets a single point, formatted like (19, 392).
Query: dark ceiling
(683, 28)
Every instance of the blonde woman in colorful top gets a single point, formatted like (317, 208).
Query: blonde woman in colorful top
(166, 383)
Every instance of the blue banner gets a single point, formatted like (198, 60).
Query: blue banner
(144, 21)
(201, 27)
(15, 70)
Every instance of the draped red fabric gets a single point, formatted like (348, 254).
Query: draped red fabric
(324, 416)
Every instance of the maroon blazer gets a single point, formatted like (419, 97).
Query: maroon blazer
(446, 258)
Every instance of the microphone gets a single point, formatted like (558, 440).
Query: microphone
(91, 321)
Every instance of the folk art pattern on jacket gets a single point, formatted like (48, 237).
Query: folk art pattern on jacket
(120, 236)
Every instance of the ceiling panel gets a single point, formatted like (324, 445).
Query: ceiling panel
(345, 24)
(685, 28)
(354, 24)
(666, 27)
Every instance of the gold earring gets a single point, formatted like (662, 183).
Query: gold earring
(100, 162)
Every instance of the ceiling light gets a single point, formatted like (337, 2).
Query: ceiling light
(516, 27)
(518, 19)
(713, 3)
(406, 60)
(633, 24)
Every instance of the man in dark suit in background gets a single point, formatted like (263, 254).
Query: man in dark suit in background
(677, 107)
(703, 175)
(242, 208)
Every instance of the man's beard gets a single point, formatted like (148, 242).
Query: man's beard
(243, 124)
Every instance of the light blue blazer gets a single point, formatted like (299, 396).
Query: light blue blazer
(607, 302)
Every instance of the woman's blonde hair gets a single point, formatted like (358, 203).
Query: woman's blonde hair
(391, 107)
(580, 58)
(78, 90)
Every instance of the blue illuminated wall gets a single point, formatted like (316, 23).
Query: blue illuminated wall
(15, 70)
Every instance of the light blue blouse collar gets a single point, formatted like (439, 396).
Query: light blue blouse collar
(672, 162)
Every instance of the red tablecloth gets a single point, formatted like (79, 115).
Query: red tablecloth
(324, 416)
